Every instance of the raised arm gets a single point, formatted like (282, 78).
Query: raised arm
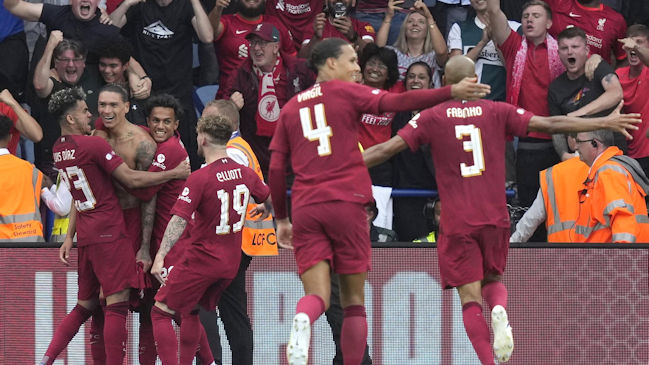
(498, 21)
(215, 18)
(318, 26)
(118, 16)
(610, 98)
(439, 44)
(201, 23)
(30, 12)
(564, 124)
(26, 125)
(138, 80)
(42, 83)
(383, 32)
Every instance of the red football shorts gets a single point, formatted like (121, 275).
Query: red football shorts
(335, 231)
(466, 257)
(195, 280)
(109, 265)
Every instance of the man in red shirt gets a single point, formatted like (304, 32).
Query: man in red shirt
(317, 131)
(230, 32)
(635, 85)
(473, 244)
(106, 258)
(603, 26)
(212, 260)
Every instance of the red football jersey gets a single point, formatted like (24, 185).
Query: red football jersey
(603, 26)
(233, 39)
(363, 29)
(169, 154)
(636, 93)
(319, 129)
(218, 196)
(467, 142)
(297, 15)
(87, 164)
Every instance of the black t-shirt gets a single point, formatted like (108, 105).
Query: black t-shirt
(91, 33)
(565, 96)
(162, 41)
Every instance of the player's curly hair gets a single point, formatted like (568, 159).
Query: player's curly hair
(164, 101)
(119, 49)
(63, 100)
(217, 128)
(5, 127)
(328, 48)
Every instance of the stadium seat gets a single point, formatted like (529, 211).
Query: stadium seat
(203, 95)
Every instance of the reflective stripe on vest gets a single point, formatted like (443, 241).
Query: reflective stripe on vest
(557, 225)
(24, 227)
(627, 237)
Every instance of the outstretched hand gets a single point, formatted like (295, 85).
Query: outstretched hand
(623, 122)
(469, 89)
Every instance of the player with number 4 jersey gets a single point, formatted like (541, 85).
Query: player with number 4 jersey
(467, 140)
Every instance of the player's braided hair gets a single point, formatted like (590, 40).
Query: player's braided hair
(63, 100)
(217, 128)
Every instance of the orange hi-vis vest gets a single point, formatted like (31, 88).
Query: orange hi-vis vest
(258, 238)
(20, 216)
(560, 186)
(614, 206)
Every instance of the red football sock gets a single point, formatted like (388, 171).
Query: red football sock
(312, 305)
(478, 332)
(495, 293)
(148, 353)
(97, 350)
(204, 350)
(65, 332)
(353, 336)
(189, 337)
(165, 336)
(115, 334)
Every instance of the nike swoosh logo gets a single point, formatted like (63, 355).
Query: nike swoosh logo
(240, 31)
(573, 15)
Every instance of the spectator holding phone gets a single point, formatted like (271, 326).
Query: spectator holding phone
(419, 39)
(335, 22)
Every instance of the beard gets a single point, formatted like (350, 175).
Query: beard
(252, 12)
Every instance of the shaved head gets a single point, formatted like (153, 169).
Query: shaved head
(457, 68)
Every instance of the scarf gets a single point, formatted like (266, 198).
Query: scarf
(556, 67)
(268, 105)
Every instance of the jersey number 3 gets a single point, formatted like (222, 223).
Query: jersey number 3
(474, 145)
(240, 197)
(322, 131)
(80, 183)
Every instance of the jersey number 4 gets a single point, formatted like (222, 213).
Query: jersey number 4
(76, 175)
(240, 197)
(322, 131)
(473, 145)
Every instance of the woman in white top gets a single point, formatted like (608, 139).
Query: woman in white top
(419, 39)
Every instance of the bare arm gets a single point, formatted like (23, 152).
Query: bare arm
(175, 229)
(215, 17)
(318, 26)
(610, 98)
(439, 44)
(24, 10)
(561, 146)
(138, 81)
(118, 16)
(140, 179)
(381, 152)
(64, 250)
(642, 52)
(26, 125)
(42, 83)
(382, 33)
(144, 154)
(564, 124)
(499, 25)
(201, 23)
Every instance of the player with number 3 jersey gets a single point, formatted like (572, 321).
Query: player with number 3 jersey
(467, 141)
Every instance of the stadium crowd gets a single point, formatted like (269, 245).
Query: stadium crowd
(130, 73)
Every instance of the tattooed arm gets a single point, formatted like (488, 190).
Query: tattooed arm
(608, 100)
(144, 154)
(174, 230)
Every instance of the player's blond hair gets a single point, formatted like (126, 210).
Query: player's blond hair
(227, 109)
(217, 128)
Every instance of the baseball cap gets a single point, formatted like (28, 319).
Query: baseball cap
(265, 31)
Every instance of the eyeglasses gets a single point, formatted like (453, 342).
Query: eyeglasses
(258, 42)
(584, 141)
(376, 64)
(68, 60)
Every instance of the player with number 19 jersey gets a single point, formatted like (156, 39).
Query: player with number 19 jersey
(467, 141)
(314, 128)
(87, 163)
